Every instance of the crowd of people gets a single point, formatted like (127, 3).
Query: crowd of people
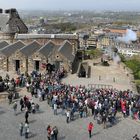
(102, 104)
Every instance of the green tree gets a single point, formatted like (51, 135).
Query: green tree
(94, 53)
(134, 65)
(123, 59)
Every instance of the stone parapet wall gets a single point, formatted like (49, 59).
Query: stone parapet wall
(129, 73)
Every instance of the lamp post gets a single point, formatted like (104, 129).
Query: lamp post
(26, 64)
(85, 38)
(7, 64)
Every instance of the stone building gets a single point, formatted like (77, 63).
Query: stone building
(28, 57)
(10, 58)
(29, 63)
(20, 51)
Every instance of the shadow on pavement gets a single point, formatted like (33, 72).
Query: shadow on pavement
(95, 133)
(62, 137)
(32, 121)
(32, 135)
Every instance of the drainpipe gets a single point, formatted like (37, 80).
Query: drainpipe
(27, 64)
(7, 64)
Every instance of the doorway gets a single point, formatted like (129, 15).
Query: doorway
(57, 65)
(17, 65)
(36, 65)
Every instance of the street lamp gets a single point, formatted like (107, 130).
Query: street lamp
(85, 38)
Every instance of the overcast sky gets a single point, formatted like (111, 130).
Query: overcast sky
(71, 4)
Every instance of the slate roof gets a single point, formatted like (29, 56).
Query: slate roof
(47, 49)
(67, 50)
(49, 36)
(31, 48)
(3, 44)
(12, 48)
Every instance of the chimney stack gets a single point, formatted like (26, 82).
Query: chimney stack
(1, 10)
(10, 11)
(7, 11)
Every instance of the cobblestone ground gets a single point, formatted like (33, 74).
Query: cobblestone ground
(124, 129)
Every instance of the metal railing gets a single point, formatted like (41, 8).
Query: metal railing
(99, 86)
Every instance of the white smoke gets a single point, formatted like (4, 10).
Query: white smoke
(128, 37)
(117, 59)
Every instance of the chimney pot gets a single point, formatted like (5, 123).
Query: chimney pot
(13, 10)
(7, 11)
(1, 10)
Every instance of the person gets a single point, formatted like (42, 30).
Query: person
(33, 108)
(15, 108)
(55, 132)
(43, 94)
(10, 97)
(136, 137)
(49, 132)
(21, 128)
(25, 98)
(67, 116)
(104, 120)
(90, 127)
(55, 108)
(21, 104)
(26, 130)
(26, 116)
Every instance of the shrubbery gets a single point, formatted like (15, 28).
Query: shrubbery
(95, 53)
(134, 64)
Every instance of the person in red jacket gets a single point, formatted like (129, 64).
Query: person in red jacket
(90, 127)
(49, 131)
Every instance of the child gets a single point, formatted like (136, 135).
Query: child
(90, 127)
